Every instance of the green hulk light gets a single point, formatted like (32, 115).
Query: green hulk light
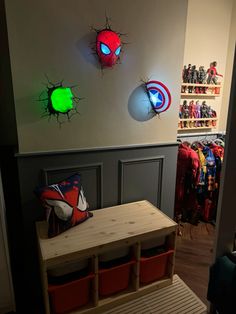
(62, 99)
(59, 101)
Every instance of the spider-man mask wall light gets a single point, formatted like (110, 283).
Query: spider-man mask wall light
(108, 46)
(59, 101)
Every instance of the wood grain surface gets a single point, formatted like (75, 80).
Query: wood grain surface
(194, 255)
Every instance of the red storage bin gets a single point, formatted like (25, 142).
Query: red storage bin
(114, 279)
(154, 268)
(70, 296)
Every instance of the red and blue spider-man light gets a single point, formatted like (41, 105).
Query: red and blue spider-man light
(108, 46)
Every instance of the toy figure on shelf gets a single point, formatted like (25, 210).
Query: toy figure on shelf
(191, 110)
(197, 113)
(202, 74)
(213, 115)
(204, 113)
(209, 113)
(185, 113)
(189, 77)
(180, 111)
(181, 116)
(204, 110)
(194, 113)
(194, 73)
(185, 74)
(184, 78)
(212, 73)
(188, 73)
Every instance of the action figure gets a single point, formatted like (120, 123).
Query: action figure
(188, 73)
(194, 75)
(191, 110)
(184, 78)
(197, 113)
(189, 77)
(185, 112)
(212, 73)
(213, 115)
(180, 111)
(185, 74)
(204, 113)
(209, 113)
(202, 74)
(181, 116)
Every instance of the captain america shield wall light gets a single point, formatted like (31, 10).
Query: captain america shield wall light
(108, 46)
(59, 101)
(159, 96)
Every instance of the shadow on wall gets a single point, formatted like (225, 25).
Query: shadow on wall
(31, 109)
(85, 46)
(139, 106)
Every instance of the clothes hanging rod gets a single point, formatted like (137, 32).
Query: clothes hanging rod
(200, 134)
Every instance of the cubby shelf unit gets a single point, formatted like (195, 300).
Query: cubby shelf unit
(126, 225)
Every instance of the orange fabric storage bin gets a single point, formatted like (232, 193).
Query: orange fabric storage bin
(70, 296)
(114, 279)
(154, 268)
(217, 90)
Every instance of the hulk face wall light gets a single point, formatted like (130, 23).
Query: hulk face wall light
(62, 100)
(59, 101)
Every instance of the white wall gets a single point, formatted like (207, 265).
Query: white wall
(228, 70)
(53, 37)
(207, 36)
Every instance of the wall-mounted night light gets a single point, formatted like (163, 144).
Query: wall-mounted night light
(62, 99)
(159, 96)
(108, 46)
(59, 100)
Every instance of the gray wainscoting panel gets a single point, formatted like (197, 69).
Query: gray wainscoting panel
(91, 176)
(141, 178)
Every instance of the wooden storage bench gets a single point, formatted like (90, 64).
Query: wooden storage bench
(127, 225)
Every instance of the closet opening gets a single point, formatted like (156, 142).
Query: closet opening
(199, 174)
(202, 210)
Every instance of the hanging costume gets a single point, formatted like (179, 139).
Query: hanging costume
(198, 180)
(187, 178)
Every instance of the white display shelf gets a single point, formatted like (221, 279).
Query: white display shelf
(196, 128)
(199, 119)
(202, 85)
(199, 95)
(211, 87)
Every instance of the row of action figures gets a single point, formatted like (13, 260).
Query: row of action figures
(191, 75)
(196, 111)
